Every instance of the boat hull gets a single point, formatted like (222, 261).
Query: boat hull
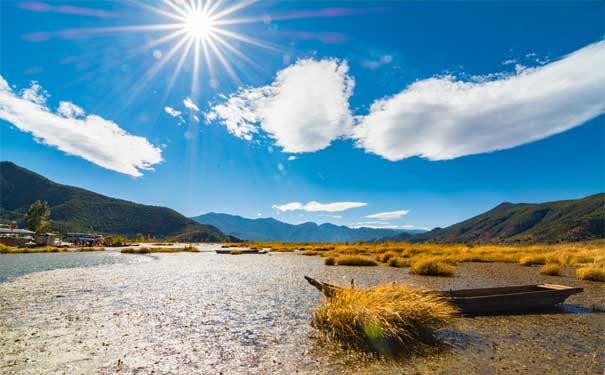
(510, 299)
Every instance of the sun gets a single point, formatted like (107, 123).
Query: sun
(198, 24)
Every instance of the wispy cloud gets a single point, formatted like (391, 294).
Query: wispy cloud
(303, 110)
(389, 215)
(172, 112)
(38, 6)
(90, 137)
(292, 158)
(314, 206)
(188, 103)
(443, 118)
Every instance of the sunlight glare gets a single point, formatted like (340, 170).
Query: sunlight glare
(198, 25)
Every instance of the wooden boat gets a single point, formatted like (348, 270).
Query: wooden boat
(243, 251)
(509, 299)
(491, 300)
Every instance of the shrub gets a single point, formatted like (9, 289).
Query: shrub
(387, 319)
(551, 269)
(355, 260)
(329, 261)
(591, 273)
(431, 267)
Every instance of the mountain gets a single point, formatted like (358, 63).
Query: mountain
(559, 221)
(270, 229)
(75, 209)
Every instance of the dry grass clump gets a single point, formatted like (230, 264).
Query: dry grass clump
(595, 272)
(236, 252)
(551, 269)
(149, 250)
(384, 258)
(389, 319)
(309, 252)
(399, 262)
(530, 260)
(431, 267)
(330, 261)
(87, 249)
(355, 260)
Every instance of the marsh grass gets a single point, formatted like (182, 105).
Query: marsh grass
(551, 269)
(399, 262)
(594, 272)
(45, 249)
(355, 260)
(310, 252)
(236, 252)
(530, 260)
(149, 250)
(431, 267)
(390, 320)
(330, 261)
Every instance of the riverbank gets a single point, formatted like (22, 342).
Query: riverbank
(190, 313)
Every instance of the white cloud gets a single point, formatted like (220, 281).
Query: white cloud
(441, 118)
(314, 206)
(292, 157)
(303, 110)
(172, 112)
(389, 215)
(188, 103)
(69, 110)
(93, 138)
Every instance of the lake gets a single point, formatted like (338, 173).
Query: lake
(191, 313)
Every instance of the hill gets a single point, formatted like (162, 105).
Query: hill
(75, 209)
(269, 229)
(559, 221)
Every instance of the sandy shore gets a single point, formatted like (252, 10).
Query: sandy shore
(209, 314)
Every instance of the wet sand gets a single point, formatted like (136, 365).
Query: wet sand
(203, 313)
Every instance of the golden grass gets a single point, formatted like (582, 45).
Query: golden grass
(595, 272)
(330, 261)
(431, 267)
(310, 252)
(45, 249)
(575, 254)
(388, 319)
(149, 250)
(236, 252)
(355, 260)
(551, 269)
(399, 262)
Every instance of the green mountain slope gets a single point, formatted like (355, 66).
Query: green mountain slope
(269, 229)
(559, 221)
(75, 209)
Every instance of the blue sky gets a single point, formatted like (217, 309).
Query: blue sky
(474, 104)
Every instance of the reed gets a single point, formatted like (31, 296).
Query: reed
(389, 320)
(431, 267)
(595, 272)
(355, 260)
(551, 269)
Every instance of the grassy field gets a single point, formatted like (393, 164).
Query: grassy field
(441, 259)
(149, 250)
(45, 249)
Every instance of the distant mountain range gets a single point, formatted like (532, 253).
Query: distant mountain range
(75, 209)
(559, 221)
(269, 229)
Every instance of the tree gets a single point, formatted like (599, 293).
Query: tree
(37, 217)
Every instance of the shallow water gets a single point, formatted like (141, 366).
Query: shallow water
(191, 313)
